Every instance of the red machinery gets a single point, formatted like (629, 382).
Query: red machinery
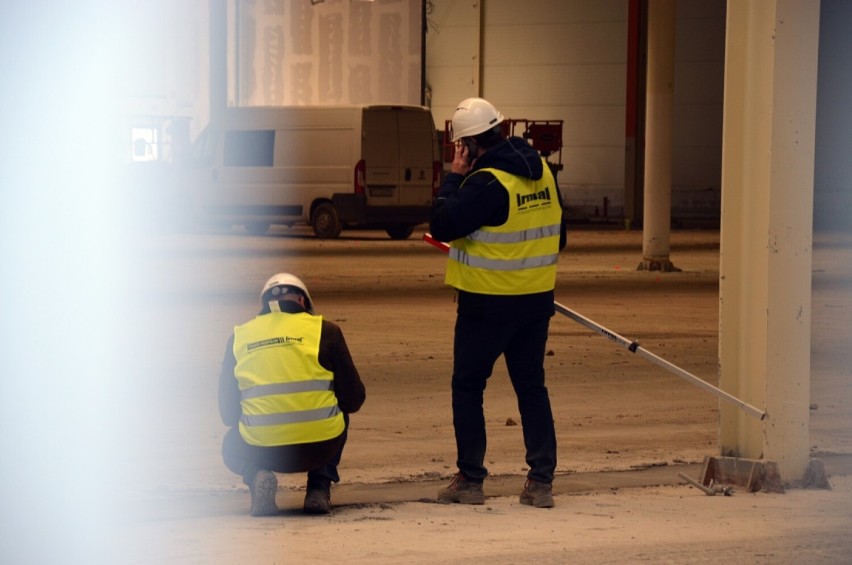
(544, 135)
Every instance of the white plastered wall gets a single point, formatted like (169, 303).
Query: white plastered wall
(333, 52)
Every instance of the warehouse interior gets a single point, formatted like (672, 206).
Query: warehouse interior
(760, 135)
(573, 62)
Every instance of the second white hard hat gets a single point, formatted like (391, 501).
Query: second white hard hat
(474, 116)
(285, 280)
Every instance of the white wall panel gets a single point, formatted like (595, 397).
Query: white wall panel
(452, 54)
(547, 11)
(554, 44)
(603, 164)
(597, 85)
(594, 126)
(452, 46)
(566, 60)
(455, 85)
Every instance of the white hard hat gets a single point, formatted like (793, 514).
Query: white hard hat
(282, 280)
(474, 116)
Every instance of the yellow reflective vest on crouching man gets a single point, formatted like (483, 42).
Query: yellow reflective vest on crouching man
(287, 396)
(518, 257)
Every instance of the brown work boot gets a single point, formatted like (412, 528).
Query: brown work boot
(463, 491)
(263, 489)
(537, 494)
(318, 500)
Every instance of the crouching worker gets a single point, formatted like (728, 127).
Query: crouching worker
(287, 387)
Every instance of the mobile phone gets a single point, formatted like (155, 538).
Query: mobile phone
(472, 147)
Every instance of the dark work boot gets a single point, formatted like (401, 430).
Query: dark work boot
(537, 494)
(318, 499)
(263, 489)
(462, 490)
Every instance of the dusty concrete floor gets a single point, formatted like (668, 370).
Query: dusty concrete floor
(622, 422)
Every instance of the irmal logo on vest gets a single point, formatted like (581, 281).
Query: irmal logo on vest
(534, 200)
(285, 340)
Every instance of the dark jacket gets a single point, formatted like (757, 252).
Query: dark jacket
(485, 202)
(333, 356)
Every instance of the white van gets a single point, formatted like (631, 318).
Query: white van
(328, 166)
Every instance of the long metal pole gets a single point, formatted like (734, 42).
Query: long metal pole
(634, 347)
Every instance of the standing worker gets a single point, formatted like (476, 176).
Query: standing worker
(501, 211)
(286, 389)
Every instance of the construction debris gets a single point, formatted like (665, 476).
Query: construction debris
(711, 490)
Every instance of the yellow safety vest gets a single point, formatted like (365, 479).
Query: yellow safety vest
(287, 396)
(518, 257)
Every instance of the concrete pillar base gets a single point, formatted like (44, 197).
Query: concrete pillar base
(753, 474)
(756, 475)
(815, 476)
(657, 265)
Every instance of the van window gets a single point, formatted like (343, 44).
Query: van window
(249, 148)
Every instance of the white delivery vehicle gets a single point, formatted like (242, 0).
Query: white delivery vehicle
(328, 166)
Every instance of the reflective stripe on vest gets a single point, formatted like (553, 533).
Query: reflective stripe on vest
(286, 388)
(290, 417)
(515, 237)
(501, 264)
(519, 256)
(287, 396)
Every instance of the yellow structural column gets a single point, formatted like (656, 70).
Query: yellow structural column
(766, 231)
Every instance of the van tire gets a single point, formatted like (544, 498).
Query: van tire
(325, 221)
(399, 231)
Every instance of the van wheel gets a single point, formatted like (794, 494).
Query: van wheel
(400, 231)
(256, 228)
(325, 221)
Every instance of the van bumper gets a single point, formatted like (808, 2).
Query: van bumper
(353, 209)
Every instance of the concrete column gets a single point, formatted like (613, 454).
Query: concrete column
(658, 137)
(766, 232)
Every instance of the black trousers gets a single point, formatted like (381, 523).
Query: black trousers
(319, 460)
(478, 343)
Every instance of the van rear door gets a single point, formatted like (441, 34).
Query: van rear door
(397, 150)
(380, 150)
(417, 140)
